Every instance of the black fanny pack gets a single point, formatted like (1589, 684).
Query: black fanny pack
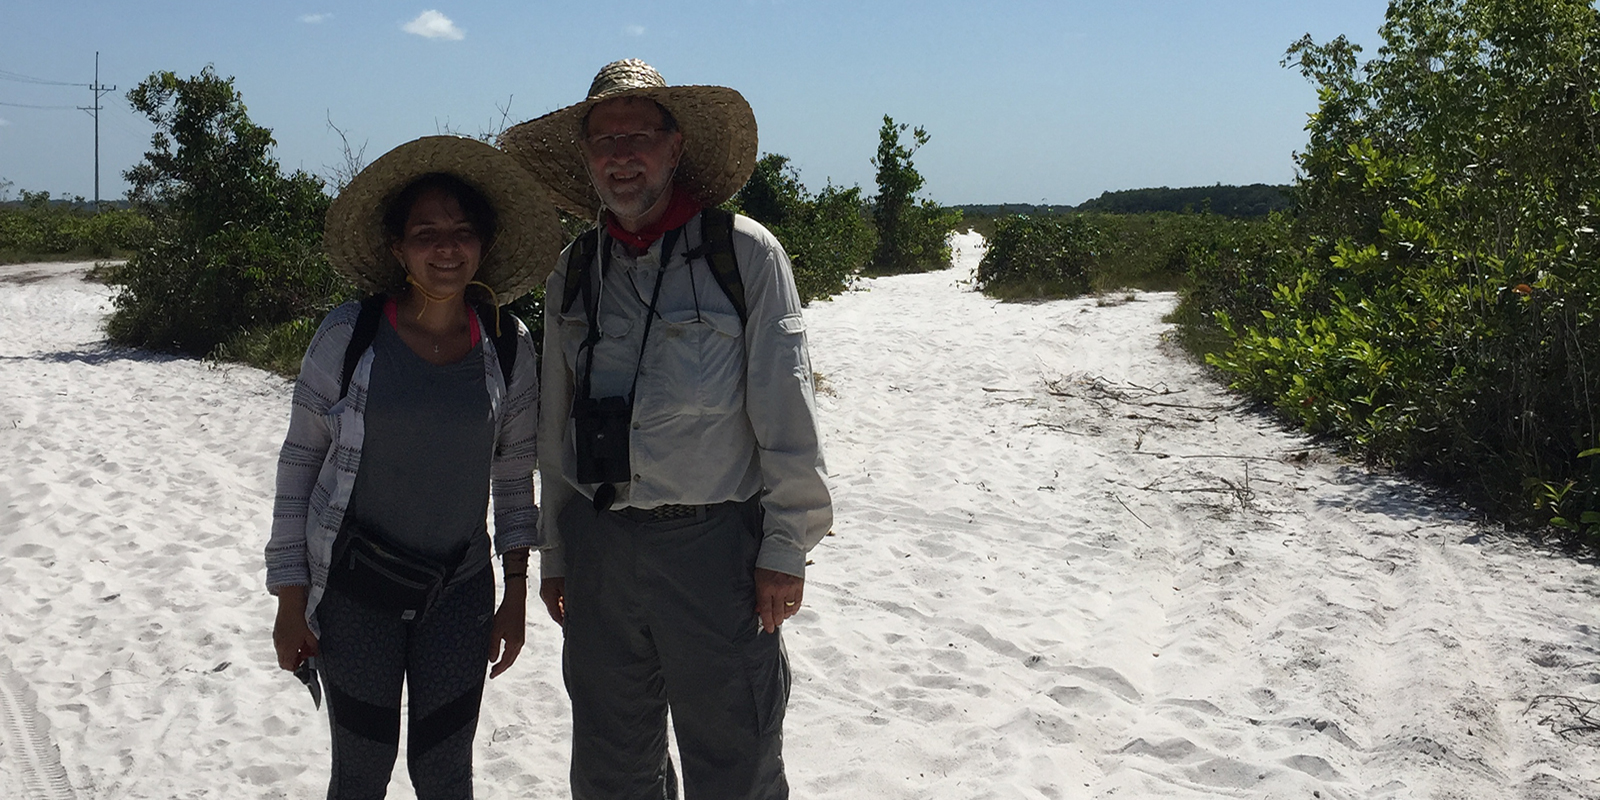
(383, 576)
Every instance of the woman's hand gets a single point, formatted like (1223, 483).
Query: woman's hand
(509, 630)
(291, 636)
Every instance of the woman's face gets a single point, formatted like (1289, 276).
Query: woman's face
(440, 249)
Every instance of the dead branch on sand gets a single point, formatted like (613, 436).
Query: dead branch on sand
(1573, 718)
(1203, 455)
(1099, 391)
(1054, 427)
(1240, 490)
(1130, 511)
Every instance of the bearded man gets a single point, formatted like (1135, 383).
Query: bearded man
(680, 466)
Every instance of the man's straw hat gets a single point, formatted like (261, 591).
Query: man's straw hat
(527, 238)
(719, 137)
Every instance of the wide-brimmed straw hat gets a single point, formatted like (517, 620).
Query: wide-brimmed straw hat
(527, 238)
(719, 137)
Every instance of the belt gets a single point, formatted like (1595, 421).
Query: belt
(662, 513)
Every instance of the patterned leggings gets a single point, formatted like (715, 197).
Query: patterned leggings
(366, 655)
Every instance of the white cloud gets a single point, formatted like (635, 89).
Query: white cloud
(4, 122)
(315, 18)
(634, 30)
(431, 24)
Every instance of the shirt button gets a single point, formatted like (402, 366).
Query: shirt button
(636, 426)
(637, 476)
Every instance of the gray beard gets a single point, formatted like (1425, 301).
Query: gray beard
(638, 205)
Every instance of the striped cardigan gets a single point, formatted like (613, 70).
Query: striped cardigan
(322, 451)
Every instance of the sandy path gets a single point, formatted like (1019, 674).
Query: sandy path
(1068, 566)
(1065, 566)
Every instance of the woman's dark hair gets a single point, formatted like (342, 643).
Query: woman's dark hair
(480, 215)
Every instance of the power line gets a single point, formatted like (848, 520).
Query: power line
(50, 108)
(98, 89)
(20, 78)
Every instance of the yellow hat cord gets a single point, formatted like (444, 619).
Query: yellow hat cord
(429, 297)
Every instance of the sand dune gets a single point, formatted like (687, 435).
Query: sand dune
(1066, 566)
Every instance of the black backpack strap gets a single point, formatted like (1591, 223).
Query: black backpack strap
(579, 261)
(504, 334)
(716, 246)
(361, 337)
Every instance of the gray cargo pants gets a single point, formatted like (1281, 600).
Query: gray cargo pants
(661, 615)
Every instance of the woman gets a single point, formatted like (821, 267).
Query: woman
(404, 420)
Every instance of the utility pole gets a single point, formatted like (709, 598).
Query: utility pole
(99, 92)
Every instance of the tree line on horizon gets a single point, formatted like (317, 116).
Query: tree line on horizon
(1252, 201)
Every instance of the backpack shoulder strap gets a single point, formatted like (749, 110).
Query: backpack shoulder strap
(366, 329)
(504, 333)
(716, 246)
(579, 261)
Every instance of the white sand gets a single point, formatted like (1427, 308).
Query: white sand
(1067, 565)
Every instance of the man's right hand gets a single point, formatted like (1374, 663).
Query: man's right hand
(553, 591)
(291, 636)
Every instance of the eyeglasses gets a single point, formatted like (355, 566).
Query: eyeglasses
(605, 144)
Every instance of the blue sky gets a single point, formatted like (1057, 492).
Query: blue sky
(1025, 101)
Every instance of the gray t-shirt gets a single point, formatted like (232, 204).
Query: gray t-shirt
(423, 483)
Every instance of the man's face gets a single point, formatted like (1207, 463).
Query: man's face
(631, 159)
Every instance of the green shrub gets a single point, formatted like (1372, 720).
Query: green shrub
(827, 237)
(1435, 300)
(1230, 267)
(1039, 257)
(236, 249)
(829, 242)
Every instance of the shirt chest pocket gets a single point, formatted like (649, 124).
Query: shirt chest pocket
(698, 365)
(615, 355)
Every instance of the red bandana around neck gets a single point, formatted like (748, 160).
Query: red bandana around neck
(680, 209)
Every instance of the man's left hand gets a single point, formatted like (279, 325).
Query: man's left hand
(778, 597)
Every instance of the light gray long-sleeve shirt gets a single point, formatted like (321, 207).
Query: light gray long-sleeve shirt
(721, 412)
(322, 452)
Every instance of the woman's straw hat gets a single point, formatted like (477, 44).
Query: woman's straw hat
(719, 137)
(527, 238)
